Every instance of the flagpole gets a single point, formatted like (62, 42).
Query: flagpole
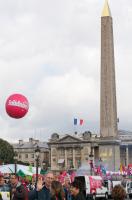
(75, 126)
(75, 130)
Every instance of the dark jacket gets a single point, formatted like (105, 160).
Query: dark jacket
(56, 198)
(43, 194)
(67, 194)
(79, 196)
(20, 193)
(4, 188)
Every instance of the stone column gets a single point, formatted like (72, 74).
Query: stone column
(82, 156)
(65, 158)
(74, 164)
(127, 156)
(93, 153)
(51, 161)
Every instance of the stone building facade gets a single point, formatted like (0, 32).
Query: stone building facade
(72, 151)
(69, 151)
(26, 152)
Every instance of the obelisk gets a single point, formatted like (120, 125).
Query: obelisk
(108, 107)
(109, 148)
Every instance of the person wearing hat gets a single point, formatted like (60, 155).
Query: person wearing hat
(66, 187)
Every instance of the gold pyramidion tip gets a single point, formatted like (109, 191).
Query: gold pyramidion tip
(106, 10)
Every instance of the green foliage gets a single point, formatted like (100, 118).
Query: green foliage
(6, 152)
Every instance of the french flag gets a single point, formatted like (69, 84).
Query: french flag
(78, 121)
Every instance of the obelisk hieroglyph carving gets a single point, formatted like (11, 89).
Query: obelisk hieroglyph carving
(108, 107)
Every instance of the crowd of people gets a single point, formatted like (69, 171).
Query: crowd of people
(49, 188)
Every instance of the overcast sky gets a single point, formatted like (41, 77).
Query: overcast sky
(50, 52)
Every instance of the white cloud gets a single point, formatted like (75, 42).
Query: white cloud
(50, 52)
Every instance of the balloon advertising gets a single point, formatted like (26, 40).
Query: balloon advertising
(17, 106)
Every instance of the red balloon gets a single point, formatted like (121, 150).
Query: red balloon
(17, 106)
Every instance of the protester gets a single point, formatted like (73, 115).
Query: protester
(66, 187)
(42, 191)
(76, 191)
(30, 186)
(3, 186)
(118, 193)
(18, 191)
(57, 192)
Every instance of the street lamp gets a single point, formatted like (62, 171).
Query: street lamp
(100, 162)
(44, 164)
(15, 161)
(37, 152)
(71, 164)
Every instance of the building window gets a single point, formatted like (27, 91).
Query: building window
(78, 162)
(46, 155)
(20, 156)
(86, 158)
(26, 155)
(62, 152)
(78, 151)
(32, 155)
(70, 151)
(54, 159)
(70, 163)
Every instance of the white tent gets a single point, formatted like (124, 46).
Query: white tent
(10, 168)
